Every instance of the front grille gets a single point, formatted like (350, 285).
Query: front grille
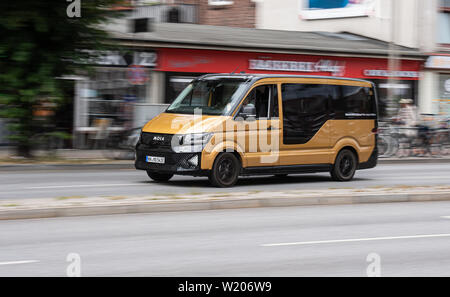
(173, 161)
(157, 140)
(160, 145)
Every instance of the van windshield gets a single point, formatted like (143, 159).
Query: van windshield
(213, 96)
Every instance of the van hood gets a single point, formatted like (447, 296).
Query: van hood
(173, 123)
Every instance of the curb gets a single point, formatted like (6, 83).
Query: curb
(130, 165)
(413, 160)
(207, 204)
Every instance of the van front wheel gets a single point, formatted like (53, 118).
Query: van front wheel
(345, 166)
(159, 177)
(225, 171)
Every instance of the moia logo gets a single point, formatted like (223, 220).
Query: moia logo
(74, 9)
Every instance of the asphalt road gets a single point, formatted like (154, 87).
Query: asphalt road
(410, 239)
(44, 184)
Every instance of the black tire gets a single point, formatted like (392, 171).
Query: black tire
(225, 171)
(344, 167)
(159, 177)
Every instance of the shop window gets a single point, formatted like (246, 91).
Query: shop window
(442, 105)
(111, 95)
(400, 89)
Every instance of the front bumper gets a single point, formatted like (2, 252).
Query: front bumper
(175, 163)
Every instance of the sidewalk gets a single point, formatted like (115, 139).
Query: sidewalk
(69, 154)
(67, 159)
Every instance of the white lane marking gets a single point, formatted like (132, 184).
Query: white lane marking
(416, 177)
(446, 217)
(19, 262)
(356, 240)
(82, 186)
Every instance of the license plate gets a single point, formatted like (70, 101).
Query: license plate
(159, 160)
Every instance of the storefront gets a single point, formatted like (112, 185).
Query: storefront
(438, 68)
(180, 66)
(106, 96)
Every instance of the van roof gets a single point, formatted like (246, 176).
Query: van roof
(257, 76)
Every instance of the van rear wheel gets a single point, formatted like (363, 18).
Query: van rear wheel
(344, 167)
(159, 177)
(225, 171)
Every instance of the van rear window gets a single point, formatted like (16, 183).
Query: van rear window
(354, 101)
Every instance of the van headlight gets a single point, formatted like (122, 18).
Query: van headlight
(191, 143)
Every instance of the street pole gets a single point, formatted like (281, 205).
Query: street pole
(392, 64)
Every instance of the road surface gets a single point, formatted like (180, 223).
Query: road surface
(49, 184)
(410, 239)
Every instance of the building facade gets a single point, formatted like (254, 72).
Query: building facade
(436, 78)
(424, 25)
(231, 13)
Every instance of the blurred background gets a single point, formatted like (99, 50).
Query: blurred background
(88, 77)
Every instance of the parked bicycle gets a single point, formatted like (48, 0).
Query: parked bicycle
(418, 141)
(49, 142)
(120, 145)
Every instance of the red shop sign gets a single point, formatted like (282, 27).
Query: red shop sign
(214, 61)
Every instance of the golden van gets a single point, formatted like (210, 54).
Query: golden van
(226, 125)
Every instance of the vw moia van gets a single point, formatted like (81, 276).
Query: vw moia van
(224, 126)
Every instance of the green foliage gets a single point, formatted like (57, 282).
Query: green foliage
(38, 43)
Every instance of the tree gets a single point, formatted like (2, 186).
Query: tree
(40, 42)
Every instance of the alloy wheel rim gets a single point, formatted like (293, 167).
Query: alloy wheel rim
(346, 165)
(226, 170)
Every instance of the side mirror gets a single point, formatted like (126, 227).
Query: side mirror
(249, 111)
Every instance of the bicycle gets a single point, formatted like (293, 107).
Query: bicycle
(49, 142)
(121, 145)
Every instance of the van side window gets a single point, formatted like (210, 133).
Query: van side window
(274, 102)
(354, 100)
(305, 110)
(265, 100)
